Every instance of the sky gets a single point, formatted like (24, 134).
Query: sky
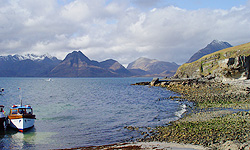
(123, 30)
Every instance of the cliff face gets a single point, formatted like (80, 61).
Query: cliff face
(227, 64)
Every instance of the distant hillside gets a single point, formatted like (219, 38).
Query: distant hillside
(29, 65)
(214, 46)
(76, 64)
(152, 67)
(115, 67)
(228, 64)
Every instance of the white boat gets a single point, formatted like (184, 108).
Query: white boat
(2, 118)
(21, 117)
(48, 80)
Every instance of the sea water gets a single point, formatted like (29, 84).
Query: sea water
(77, 112)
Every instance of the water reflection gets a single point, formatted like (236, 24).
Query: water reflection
(12, 139)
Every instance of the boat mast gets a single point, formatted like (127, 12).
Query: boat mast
(20, 96)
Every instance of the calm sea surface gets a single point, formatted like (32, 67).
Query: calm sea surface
(76, 112)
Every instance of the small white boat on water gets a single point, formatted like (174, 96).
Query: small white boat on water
(49, 80)
(21, 117)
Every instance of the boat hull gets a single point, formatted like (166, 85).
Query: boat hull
(21, 123)
(2, 123)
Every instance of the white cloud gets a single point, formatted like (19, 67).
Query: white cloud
(79, 42)
(76, 11)
(117, 29)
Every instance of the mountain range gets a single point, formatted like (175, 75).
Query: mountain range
(76, 64)
(29, 65)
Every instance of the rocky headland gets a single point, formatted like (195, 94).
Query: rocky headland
(219, 86)
(230, 64)
(219, 120)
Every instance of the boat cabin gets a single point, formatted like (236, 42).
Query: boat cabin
(21, 110)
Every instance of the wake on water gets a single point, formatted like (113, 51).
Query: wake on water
(182, 111)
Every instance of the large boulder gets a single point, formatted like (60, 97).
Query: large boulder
(154, 81)
(235, 68)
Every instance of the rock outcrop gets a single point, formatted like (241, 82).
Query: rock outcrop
(235, 68)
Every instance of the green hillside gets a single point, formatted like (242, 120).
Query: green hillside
(214, 64)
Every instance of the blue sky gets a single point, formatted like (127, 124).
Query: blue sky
(124, 30)
(185, 4)
(191, 4)
(210, 4)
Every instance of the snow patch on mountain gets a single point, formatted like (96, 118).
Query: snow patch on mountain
(32, 57)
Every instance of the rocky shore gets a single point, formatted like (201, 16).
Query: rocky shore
(220, 120)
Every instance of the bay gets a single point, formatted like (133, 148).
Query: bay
(77, 112)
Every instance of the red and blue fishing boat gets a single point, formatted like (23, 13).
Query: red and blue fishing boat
(21, 117)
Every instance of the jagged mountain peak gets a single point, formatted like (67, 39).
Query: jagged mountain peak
(78, 54)
(222, 43)
(76, 64)
(212, 47)
(216, 41)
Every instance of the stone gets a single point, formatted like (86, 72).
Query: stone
(154, 81)
(235, 68)
(230, 145)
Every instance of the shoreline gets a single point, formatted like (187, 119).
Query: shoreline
(144, 145)
(220, 119)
